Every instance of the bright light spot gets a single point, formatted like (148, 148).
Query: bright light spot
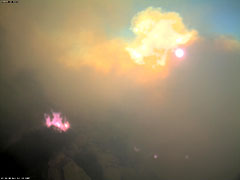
(179, 52)
(155, 156)
(66, 124)
(57, 121)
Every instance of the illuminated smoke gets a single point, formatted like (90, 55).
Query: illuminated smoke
(57, 121)
(157, 34)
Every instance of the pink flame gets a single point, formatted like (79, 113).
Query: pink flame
(57, 121)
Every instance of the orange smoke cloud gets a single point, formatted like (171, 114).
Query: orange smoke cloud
(156, 33)
(97, 51)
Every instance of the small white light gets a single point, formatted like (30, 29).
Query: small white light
(179, 52)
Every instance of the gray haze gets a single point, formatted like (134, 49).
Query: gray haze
(190, 119)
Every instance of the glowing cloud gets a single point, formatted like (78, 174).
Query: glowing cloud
(57, 121)
(157, 33)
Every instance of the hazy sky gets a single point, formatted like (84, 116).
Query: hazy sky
(70, 56)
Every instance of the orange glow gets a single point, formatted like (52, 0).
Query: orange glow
(145, 58)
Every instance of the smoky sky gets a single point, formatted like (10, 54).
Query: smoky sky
(193, 112)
